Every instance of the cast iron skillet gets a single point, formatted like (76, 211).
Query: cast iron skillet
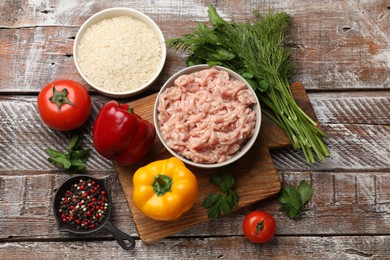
(124, 240)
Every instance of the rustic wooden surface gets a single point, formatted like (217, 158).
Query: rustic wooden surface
(342, 54)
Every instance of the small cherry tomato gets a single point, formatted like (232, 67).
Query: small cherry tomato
(64, 105)
(259, 226)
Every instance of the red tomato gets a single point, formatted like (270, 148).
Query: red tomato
(64, 105)
(259, 226)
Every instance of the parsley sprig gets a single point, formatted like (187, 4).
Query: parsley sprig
(218, 204)
(74, 158)
(294, 199)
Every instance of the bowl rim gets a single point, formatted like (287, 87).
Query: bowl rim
(249, 143)
(115, 12)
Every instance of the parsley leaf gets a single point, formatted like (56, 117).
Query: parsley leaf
(305, 191)
(218, 205)
(74, 159)
(294, 199)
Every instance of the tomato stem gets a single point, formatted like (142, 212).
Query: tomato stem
(130, 110)
(162, 184)
(260, 226)
(60, 97)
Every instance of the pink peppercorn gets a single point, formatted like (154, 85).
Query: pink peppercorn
(79, 204)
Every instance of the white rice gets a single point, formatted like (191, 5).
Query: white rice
(120, 53)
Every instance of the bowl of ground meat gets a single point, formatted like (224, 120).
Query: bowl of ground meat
(206, 116)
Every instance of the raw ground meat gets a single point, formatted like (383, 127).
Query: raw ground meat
(206, 116)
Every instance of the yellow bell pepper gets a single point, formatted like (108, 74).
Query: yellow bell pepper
(164, 189)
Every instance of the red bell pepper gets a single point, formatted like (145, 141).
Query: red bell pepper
(120, 135)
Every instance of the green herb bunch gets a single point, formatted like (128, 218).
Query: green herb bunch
(294, 199)
(74, 159)
(255, 50)
(217, 204)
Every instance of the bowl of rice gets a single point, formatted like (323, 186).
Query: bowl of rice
(208, 117)
(120, 52)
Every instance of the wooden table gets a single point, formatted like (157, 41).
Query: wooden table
(342, 54)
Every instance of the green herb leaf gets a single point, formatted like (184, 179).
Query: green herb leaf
(227, 182)
(253, 84)
(247, 75)
(214, 212)
(81, 154)
(218, 205)
(263, 85)
(234, 196)
(193, 60)
(74, 159)
(74, 142)
(53, 153)
(214, 53)
(305, 190)
(224, 181)
(293, 209)
(61, 162)
(294, 199)
(78, 165)
(225, 208)
(214, 17)
(215, 63)
(211, 200)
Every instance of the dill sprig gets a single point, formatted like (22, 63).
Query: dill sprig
(255, 50)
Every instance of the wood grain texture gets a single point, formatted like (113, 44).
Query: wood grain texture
(351, 149)
(332, 247)
(24, 136)
(335, 44)
(356, 143)
(340, 200)
(371, 108)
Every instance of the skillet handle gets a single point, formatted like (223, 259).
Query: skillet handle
(123, 239)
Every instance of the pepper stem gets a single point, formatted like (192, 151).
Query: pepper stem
(162, 184)
(60, 97)
(130, 110)
(260, 226)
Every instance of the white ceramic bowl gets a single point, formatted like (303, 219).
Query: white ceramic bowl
(246, 146)
(110, 13)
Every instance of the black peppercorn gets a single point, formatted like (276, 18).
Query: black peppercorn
(84, 205)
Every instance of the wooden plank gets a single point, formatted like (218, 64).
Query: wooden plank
(336, 39)
(352, 107)
(348, 51)
(339, 200)
(355, 144)
(351, 147)
(32, 57)
(332, 247)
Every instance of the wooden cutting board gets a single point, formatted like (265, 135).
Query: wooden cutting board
(255, 174)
